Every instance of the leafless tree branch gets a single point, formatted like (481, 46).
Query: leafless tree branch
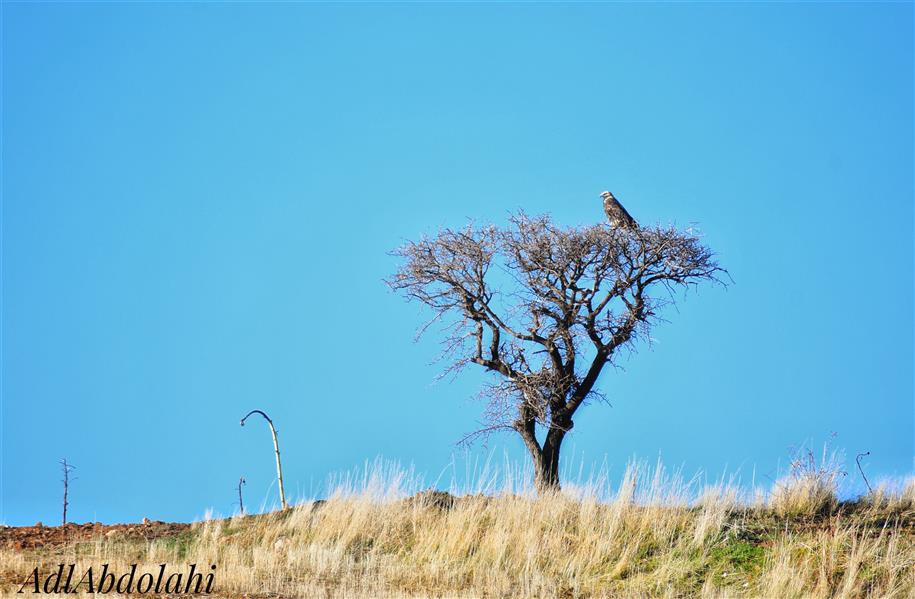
(545, 309)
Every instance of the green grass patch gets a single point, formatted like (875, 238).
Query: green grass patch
(180, 543)
(738, 556)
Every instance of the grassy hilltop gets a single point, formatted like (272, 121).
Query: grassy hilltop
(650, 537)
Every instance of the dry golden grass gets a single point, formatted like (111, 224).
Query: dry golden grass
(653, 536)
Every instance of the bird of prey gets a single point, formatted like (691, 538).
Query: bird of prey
(616, 214)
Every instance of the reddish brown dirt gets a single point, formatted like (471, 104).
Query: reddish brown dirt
(51, 537)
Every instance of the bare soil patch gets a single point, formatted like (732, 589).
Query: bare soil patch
(55, 537)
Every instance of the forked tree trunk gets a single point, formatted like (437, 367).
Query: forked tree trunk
(545, 456)
(546, 462)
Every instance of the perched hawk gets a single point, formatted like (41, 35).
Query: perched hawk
(617, 214)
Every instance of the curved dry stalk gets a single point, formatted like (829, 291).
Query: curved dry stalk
(276, 449)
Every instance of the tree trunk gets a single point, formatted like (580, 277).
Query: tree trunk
(546, 463)
(545, 457)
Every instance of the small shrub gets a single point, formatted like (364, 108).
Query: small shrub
(893, 497)
(810, 489)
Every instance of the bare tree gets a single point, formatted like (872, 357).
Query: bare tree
(545, 309)
(67, 469)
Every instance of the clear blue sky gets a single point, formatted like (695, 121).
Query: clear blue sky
(198, 200)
